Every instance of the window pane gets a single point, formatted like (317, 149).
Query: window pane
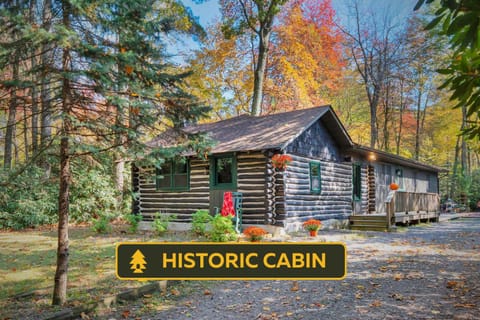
(223, 168)
(316, 183)
(181, 167)
(314, 170)
(163, 182)
(180, 180)
(166, 168)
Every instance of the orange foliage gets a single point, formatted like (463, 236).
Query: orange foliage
(307, 57)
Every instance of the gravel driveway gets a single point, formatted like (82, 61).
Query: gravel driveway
(424, 272)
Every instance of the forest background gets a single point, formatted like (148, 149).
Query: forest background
(378, 70)
(84, 86)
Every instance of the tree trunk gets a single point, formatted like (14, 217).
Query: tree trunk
(259, 75)
(46, 112)
(12, 114)
(60, 285)
(464, 153)
(33, 92)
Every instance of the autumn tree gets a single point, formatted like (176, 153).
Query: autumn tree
(257, 18)
(307, 60)
(372, 45)
(223, 73)
(103, 85)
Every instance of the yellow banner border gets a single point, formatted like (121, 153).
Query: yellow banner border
(223, 244)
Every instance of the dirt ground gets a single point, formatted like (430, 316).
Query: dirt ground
(423, 272)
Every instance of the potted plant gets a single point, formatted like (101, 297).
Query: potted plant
(254, 234)
(312, 226)
(394, 186)
(280, 161)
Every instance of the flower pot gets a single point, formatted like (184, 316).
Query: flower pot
(255, 238)
(313, 233)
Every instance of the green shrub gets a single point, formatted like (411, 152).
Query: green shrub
(101, 225)
(222, 229)
(134, 221)
(93, 195)
(161, 221)
(29, 200)
(200, 219)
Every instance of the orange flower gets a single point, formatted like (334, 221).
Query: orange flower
(254, 233)
(280, 161)
(312, 225)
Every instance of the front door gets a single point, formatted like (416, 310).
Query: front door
(223, 177)
(357, 188)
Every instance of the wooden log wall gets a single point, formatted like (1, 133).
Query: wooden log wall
(335, 199)
(251, 168)
(182, 204)
(251, 182)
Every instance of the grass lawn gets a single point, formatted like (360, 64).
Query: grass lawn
(28, 261)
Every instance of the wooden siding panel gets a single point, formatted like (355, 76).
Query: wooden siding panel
(335, 199)
(251, 170)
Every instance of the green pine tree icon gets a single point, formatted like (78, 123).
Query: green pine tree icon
(138, 262)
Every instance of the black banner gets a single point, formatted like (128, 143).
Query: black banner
(234, 261)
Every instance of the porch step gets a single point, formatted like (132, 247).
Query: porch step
(368, 228)
(368, 222)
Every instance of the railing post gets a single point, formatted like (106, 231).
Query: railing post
(390, 206)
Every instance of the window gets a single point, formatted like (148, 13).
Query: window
(432, 183)
(315, 177)
(399, 178)
(224, 172)
(357, 182)
(173, 175)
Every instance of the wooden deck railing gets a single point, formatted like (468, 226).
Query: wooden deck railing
(416, 202)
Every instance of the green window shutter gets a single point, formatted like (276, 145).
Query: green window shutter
(357, 182)
(223, 172)
(315, 177)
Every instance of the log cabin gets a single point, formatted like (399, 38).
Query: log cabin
(329, 177)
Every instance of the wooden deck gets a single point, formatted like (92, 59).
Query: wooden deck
(408, 207)
(378, 222)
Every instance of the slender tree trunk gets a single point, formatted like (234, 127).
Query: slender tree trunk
(26, 144)
(464, 149)
(386, 132)
(60, 286)
(400, 122)
(12, 115)
(33, 92)
(418, 121)
(259, 74)
(46, 112)
(454, 180)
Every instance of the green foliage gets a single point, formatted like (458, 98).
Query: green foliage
(460, 22)
(93, 194)
(474, 191)
(101, 225)
(28, 201)
(161, 221)
(134, 221)
(200, 219)
(222, 229)
(31, 200)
